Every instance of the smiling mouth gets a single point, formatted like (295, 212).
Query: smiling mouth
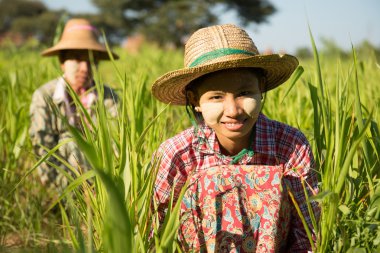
(234, 125)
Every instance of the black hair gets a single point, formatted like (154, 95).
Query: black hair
(62, 54)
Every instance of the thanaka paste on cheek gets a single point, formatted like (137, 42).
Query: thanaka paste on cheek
(212, 112)
(70, 68)
(252, 106)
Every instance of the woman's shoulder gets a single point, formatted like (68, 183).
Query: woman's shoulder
(47, 88)
(110, 92)
(181, 142)
(284, 131)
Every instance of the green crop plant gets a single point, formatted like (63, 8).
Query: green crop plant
(108, 209)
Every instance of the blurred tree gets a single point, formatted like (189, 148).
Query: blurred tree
(304, 53)
(171, 21)
(13, 9)
(366, 50)
(25, 18)
(331, 49)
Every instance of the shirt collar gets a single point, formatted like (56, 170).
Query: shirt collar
(59, 94)
(205, 140)
(263, 142)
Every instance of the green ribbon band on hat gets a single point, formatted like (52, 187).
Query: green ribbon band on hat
(216, 54)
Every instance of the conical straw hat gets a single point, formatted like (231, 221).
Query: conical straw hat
(216, 48)
(80, 34)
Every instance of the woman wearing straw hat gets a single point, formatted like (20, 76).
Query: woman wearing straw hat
(242, 168)
(52, 104)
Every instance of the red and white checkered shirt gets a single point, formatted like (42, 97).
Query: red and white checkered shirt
(274, 143)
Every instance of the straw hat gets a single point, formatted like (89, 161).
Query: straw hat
(80, 34)
(216, 48)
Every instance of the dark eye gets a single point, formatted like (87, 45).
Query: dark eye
(216, 97)
(244, 93)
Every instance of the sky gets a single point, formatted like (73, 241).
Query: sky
(345, 22)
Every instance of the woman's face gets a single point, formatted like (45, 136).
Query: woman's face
(230, 103)
(76, 67)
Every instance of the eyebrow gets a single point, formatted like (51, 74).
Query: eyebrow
(215, 92)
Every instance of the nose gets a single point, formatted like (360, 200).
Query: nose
(84, 66)
(231, 106)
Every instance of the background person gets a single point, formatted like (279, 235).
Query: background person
(52, 103)
(241, 165)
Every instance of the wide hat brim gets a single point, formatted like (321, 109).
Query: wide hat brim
(100, 52)
(170, 87)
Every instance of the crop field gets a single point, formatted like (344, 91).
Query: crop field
(334, 101)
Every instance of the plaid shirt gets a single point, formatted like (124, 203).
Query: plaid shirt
(274, 143)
